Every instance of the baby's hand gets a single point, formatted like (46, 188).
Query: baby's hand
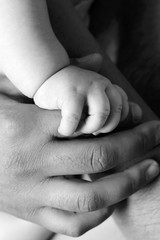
(72, 90)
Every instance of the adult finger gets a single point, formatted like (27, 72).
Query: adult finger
(82, 196)
(68, 223)
(93, 155)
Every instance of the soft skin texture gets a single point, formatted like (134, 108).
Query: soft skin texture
(32, 182)
(39, 66)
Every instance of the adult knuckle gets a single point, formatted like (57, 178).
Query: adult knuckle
(98, 158)
(101, 157)
(88, 202)
(18, 163)
(84, 203)
(31, 213)
(13, 164)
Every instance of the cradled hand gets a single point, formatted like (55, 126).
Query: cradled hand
(87, 100)
(34, 164)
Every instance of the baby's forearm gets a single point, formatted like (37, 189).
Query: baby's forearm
(30, 52)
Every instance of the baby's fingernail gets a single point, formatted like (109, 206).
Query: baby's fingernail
(136, 112)
(82, 59)
(88, 57)
(152, 171)
(77, 134)
(96, 133)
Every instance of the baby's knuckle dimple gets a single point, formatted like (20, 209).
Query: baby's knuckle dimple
(118, 109)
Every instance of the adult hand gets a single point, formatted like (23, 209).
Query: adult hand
(34, 164)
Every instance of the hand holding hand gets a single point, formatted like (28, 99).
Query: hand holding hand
(34, 165)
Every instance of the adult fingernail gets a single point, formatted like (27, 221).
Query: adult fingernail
(152, 171)
(136, 112)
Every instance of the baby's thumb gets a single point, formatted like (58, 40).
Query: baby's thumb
(91, 62)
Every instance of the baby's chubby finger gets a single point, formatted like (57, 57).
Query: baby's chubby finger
(98, 109)
(71, 110)
(134, 115)
(116, 105)
(131, 112)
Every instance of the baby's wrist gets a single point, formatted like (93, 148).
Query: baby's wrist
(92, 61)
(41, 95)
(29, 73)
(51, 73)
